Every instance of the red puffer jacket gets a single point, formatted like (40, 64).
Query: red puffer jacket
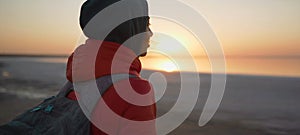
(126, 63)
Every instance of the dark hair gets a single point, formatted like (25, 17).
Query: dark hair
(123, 32)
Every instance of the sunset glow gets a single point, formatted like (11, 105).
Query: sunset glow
(243, 27)
(252, 28)
(168, 66)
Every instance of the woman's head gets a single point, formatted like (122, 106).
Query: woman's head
(122, 32)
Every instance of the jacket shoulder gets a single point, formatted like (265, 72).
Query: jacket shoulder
(140, 85)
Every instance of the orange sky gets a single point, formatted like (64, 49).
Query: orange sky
(249, 27)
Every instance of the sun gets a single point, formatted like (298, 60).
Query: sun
(168, 66)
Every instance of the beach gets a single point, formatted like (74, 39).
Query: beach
(251, 105)
(24, 83)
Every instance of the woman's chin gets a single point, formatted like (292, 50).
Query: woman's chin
(143, 54)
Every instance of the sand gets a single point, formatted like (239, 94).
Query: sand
(12, 105)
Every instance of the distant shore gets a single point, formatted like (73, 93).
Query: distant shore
(34, 55)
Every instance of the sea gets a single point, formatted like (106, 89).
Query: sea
(52, 69)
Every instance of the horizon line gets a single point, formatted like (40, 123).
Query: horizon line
(199, 56)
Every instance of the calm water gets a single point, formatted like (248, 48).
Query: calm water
(248, 66)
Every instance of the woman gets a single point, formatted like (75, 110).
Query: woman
(117, 54)
(116, 57)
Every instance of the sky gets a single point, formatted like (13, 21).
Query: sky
(248, 27)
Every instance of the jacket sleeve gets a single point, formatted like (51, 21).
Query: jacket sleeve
(140, 114)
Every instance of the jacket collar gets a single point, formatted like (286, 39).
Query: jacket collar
(112, 58)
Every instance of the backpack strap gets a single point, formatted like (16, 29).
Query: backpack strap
(103, 83)
(68, 87)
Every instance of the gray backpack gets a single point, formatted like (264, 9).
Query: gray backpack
(57, 115)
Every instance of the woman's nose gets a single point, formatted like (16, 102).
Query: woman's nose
(151, 33)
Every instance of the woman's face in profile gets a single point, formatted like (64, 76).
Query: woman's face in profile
(146, 42)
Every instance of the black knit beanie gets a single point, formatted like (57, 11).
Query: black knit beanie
(92, 7)
(120, 34)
